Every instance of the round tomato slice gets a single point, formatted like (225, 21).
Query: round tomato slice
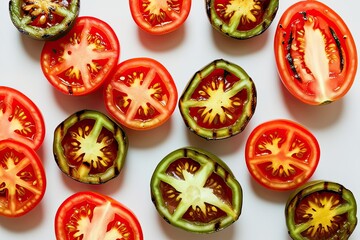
(22, 179)
(159, 16)
(141, 94)
(315, 53)
(87, 214)
(196, 191)
(281, 154)
(20, 118)
(241, 19)
(321, 210)
(79, 62)
(44, 19)
(90, 147)
(219, 100)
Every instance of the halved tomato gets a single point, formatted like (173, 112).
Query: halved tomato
(44, 19)
(315, 53)
(90, 147)
(79, 62)
(20, 118)
(241, 19)
(321, 210)
(159, 16)
(88, 215)
(196, 191)
(218, 101)
(22, 179)
(141, 94)
(281, 154)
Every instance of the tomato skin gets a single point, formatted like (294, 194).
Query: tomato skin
(79, 62)
(335, 51)
(115, 215)
(22, 179)
(141, 94)
(164, 19)
(16, 109)
(281, 154)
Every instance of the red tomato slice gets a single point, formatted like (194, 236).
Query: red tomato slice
(22, 179)
(87, 214)
(281, 154)
(79, 62)
(315, 53)
(141, 94)
(159, 17)
(20, 118)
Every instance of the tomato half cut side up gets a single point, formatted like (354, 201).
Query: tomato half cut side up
(159, 17)
(84, 215)
(241, 19)
(315, 53)
(20, 118)
(195, 190)
(90, 147)
(79, 62)
(22, 179)
(218, 101)
(321, 210)
(44, 19)
(281, 154)
(141, 94)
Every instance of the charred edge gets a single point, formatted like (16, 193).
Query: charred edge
(78, 114)
(70, 90)
(217, 226)
(214, 134)
(304, 15)
(116, 171)
(167, 220)
(338, 46)
(290, 59)
(185, 150)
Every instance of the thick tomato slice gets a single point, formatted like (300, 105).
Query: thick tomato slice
(22, 178)
(218, 101)
(159, 16)
(241, 19)
(90, 147)
(87, 214)
(281, 154)
(196, 191)
(141, 94)
(44, 19)
(79, 62)
(321, 210)
(20, 118)
(315, 53)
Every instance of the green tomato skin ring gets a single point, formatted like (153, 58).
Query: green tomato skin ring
(38, 33)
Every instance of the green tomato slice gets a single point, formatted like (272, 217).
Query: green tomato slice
(196, 191)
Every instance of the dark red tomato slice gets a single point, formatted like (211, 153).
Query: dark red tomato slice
(22, 179)
(281, 154)
(218, 101)
(87, 214)
(315, 53)
(20, 118)
(196, 191)
(159, 17)
(79, 62)
(90, 147)
(141, 94)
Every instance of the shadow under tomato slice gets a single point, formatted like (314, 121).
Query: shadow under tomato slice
(281, 154)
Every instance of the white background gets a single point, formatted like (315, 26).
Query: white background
(183, 52)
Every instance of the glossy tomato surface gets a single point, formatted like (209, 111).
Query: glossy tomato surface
(22, 179)
(90, 147)
(159, 16)
(87, 214)
(281, 154)
(141, 94)
(20, 118)
(315, 53)
(79, 62)
(195, 190)
(44, 19)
